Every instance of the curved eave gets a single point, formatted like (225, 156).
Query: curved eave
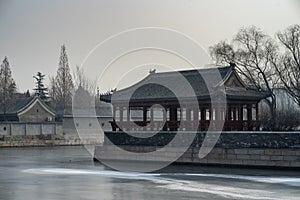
(256, 97)
(106, 98)
(161, 100)
(32, 103)
(8, 115)
(248, 97)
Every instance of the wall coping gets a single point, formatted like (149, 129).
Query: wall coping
(35, 123)
(223, 132)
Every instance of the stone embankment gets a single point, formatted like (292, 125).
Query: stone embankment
(260, 149)
(42, 141)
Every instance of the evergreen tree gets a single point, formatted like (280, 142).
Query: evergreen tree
(40, 89)
(63, 85)
(7, 85)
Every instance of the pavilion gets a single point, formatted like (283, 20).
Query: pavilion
(135, 104)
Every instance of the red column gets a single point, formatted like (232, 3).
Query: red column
(249, 106)
(203, 118)
(144, 114)
(226, 123)
(256, 112)
(173, 117)
(128, 113)
(121, 117)
(234, 113)
(219, 116)
(196, 114)
(257, 124)
(113, 123)
(114, 112)
(240, 123)
(152, 119)
(144, 117)
(164, 118)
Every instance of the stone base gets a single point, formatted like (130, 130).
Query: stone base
(42, 141)
(288, 158)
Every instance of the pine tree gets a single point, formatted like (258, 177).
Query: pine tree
(63, 86)
(7, 85)
(40, 89)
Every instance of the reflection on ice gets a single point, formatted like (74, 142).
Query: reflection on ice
(112, 174)
(182, 181)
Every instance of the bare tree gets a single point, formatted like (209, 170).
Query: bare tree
(289, 67)
(51, 90)
(85, 90)
(62, 86)
(83, 82)
(7, 85)
(288, 112)
(254, 54)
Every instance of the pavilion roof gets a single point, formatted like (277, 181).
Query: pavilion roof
(203, 82)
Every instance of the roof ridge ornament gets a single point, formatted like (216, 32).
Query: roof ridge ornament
(152, 71)
(232, 64)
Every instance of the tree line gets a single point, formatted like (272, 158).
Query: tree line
(265, 63)
(61, 86)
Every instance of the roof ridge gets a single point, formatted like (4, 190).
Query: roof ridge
(192, 70)
(33, 100)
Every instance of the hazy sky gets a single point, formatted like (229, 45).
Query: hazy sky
(32, 31)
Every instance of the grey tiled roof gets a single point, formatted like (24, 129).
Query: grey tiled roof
(171, 85)
(16, 105)
(19, 104)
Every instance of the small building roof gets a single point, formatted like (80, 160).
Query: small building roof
(202, 81)
(22, 104)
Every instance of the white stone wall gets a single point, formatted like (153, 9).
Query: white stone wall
(18, 129)
(30, 128)
(4, 129)
(89, 123)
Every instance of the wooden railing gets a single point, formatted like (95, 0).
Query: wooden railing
(202, 125)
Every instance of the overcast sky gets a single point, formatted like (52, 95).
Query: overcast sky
(32, 31)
